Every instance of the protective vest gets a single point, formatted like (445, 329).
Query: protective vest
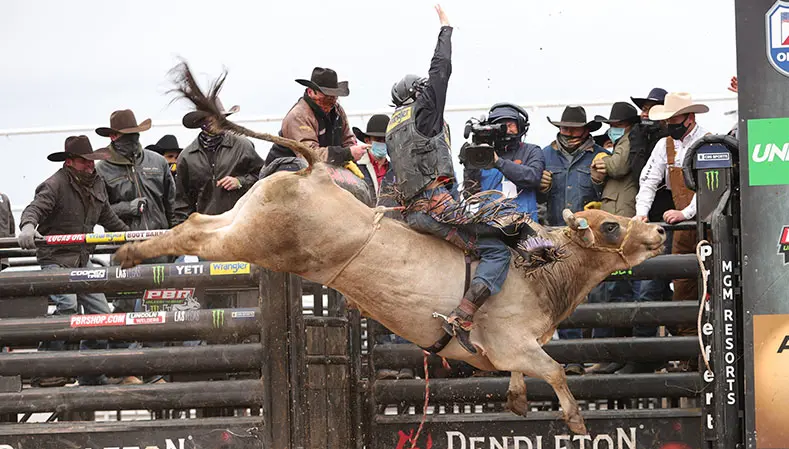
(416, 160)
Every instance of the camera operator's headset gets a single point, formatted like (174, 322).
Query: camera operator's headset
(523, 116)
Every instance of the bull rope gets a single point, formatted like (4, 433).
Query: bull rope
(703, 302)
(427, 401)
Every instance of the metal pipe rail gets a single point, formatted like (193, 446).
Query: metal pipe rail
(198, 324)
(656, 349)
(232, 393)
(141, 277)
(140, 362)
(487, 389)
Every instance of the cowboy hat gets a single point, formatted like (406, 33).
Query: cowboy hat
(325, 81)
(376, 127)
(167, 143)
(620, 112)
(79, 146)
(194, 119)
(601, 139)
(656, 95)
(124, 122)
(575, 117)
(676, 103)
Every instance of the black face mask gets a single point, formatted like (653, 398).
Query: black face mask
(82, 178)
(128, 146)
(677, 131)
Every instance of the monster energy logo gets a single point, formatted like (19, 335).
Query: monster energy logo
(158, 274)
(218, 317)
(712, 180)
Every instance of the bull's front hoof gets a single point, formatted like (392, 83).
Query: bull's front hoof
(126, 256)
(576, 424)
(517, 403)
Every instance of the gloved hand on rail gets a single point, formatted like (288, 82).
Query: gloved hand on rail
(27, 238)
(138, 206)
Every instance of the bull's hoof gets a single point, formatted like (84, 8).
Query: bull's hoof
(126, 256)
(517, 403)
(576, 424)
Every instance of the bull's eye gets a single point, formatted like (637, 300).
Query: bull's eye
(610, 228)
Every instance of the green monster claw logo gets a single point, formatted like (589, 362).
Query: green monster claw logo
(712, 180)
(218, 317)
(158, 274)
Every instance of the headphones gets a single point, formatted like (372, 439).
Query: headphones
(523, 116)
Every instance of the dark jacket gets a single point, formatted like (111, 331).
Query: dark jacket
(59, 208)
(643, 138)
(149, 177)
(571, 185)
(522, 167)
(429, 105)
(383, 194)
(329, 135)
(7, 225)
(197, 176)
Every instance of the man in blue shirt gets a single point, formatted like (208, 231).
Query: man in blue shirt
(517, 167)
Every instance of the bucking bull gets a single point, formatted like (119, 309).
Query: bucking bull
(303, 223)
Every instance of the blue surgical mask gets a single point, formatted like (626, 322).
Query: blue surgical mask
(379, 149)
(616, 133)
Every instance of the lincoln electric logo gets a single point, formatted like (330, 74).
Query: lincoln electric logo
(783, 244)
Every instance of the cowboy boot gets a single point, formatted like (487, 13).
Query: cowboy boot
(460, 321)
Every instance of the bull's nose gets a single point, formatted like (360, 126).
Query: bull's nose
(661, 231)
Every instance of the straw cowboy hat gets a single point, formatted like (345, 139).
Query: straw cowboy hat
(325, 81)
(194, 119)
(376, 127)
(79, 146)
(124, 122)
(575, 117)
(676, 103)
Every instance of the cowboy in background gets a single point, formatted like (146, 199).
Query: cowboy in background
(215, 170)
(517, 165)
(169, 149)
(374, 163)
(665, 164)
(7, 224)
(618, 198)
(569, 183)
(71, 201)
(318, 121)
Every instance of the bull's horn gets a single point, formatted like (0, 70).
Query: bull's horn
(569, 218)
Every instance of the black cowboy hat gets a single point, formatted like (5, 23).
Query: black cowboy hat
(124, 122)
(575, 117)
(167, 143)
(620, 112)
(79, 146)
(376, 127)
(325, 81)
(657, 95)
(601, 139)
(194, 119)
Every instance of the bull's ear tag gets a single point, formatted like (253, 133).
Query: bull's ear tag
(583, 223)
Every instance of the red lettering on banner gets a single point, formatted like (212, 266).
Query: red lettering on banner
(106, 319)
(182, 293)
(785, 236)
(404, 440)
(65, 239)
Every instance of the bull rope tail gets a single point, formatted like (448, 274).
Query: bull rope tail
(704, 299)
(427, 401)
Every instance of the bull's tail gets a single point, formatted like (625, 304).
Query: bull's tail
(186, 87)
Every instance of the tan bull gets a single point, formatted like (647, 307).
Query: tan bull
(303, 223)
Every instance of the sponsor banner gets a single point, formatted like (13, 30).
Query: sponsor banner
(187, 269)
(783, 244)
(168, 295)
(242, 314)
(132, 236)
(219, 268)
(145, 318)
(105, 237)
(776, 23)
(128, 273)
(771, 382)
(88, 274)
(768, 152)
(105, 319)
(218, 317)
(65, 239)
(157, 272)
(181, 316)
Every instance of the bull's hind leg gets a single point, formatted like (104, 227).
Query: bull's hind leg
(516, 395)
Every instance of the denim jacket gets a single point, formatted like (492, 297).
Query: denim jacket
(571, 184)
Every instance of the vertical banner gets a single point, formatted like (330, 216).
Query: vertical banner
(763, 72)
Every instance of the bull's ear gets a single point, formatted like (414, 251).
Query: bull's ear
(580, 226)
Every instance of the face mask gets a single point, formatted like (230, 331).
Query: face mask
(616, 133)
(677, 131)
(570, 143)
(378, 149)
(82, 178)
(128, 146)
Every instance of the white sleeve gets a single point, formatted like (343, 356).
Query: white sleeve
(690, 211)
(651, 176)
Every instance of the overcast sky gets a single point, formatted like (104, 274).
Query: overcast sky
(73, 62)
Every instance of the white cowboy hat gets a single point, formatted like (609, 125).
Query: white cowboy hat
(676, 103)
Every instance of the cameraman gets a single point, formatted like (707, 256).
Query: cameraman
(517, 166)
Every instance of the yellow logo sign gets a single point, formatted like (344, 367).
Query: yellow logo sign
(106, 237)
(218, 268)
(399, 117)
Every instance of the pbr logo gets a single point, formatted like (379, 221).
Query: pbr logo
(783, 244)
(777, 33)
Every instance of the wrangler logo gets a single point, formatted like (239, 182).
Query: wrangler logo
(399, 117)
